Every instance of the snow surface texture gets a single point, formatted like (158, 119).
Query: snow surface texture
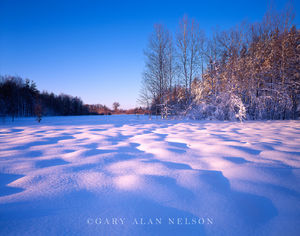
(73, 175)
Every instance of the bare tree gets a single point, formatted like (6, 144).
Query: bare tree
(158, 74)
(116, 105)
(38, 110)
(190, 42)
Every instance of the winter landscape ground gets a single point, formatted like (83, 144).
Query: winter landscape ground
(128, 175)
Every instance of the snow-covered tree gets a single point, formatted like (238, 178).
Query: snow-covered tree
(248, 72)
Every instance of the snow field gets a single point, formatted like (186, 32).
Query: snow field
(57, 176)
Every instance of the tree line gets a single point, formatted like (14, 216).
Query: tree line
(21, 98)
(248, 72)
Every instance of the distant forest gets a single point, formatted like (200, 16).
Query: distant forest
(21, 98)
(251, 71)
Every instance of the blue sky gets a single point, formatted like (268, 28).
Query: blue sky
(94, 49)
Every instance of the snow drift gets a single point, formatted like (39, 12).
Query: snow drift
(87, 175)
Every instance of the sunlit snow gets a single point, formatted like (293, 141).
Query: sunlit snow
(99, 175)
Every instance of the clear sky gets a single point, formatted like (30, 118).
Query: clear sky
(94, 49)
